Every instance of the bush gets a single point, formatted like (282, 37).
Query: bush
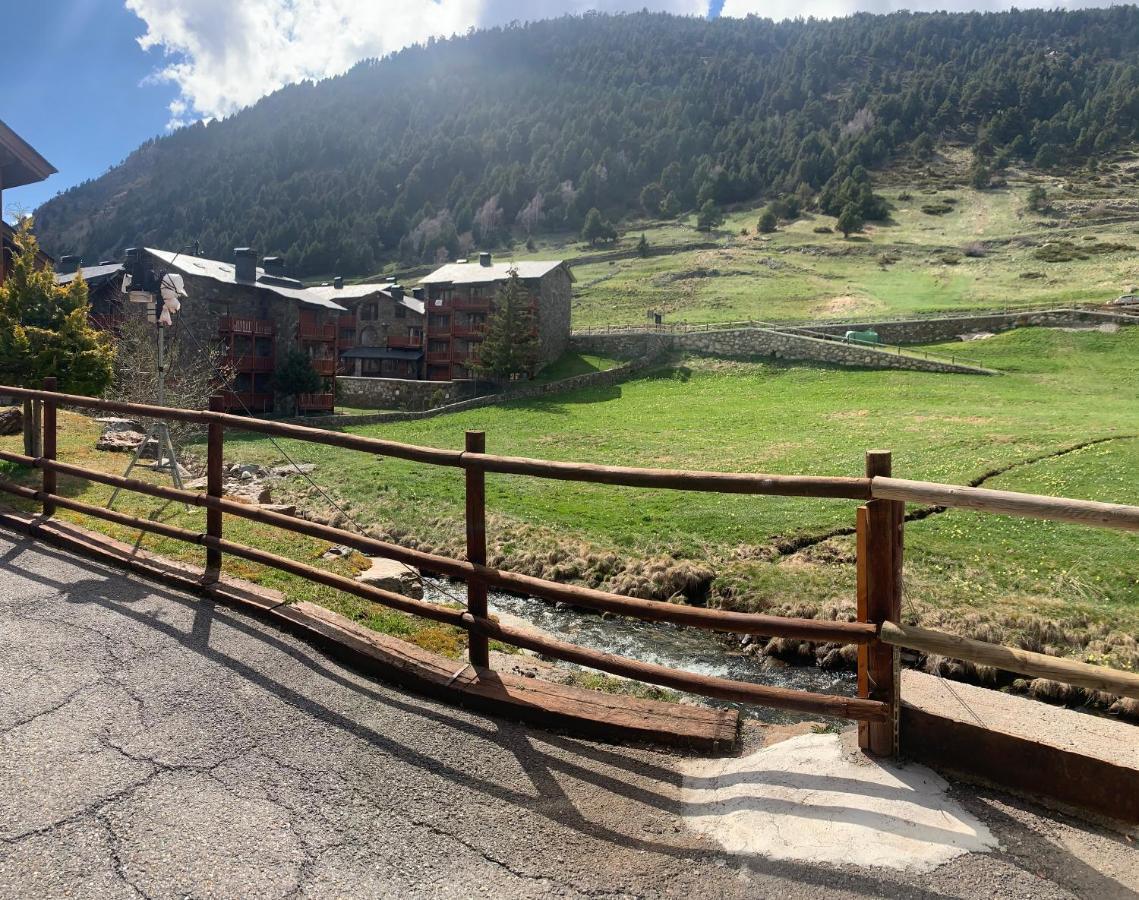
(974, 250)
(905, 196)
(768, 221)
(936, 209)
(823, 229)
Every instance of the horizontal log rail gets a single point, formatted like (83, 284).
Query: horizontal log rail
(879, 530)
(1013, 503)
(1023, 662)
(706, 685)
(650, 610)
(421, 608)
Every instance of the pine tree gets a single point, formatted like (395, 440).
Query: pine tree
(511, 346)
(643, 246)
(44, 330)
(768, 221)
(296, 376)
(849, 220)
(709, 216)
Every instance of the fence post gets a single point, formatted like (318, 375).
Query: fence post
(215, 437)
(478, 652)
(49, 443)
(879, 580)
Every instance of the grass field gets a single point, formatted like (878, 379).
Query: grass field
(914, 263)
(1037, 583)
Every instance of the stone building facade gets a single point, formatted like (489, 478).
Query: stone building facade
(257, 316)
(459, 297)
(381, 334)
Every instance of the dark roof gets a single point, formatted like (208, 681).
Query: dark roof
(19, 162)
(224, 273)
(93, 275)
(380, 353)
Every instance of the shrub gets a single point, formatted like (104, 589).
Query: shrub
(974, 250)
(905, 196)
(823, 229)
(936, 209)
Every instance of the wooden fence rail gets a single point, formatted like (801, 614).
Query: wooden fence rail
(879, 537)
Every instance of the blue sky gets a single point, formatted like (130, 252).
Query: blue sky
(87, 81)
(72, 72)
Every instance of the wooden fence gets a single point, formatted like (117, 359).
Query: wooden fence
(879, 529)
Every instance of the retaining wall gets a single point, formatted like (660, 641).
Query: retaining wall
(400, 393)
(748, 342)
(949, 328)
(523, 392)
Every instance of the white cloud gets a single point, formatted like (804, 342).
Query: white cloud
(226, 54)
(829, 9)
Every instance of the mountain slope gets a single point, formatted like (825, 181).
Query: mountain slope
(459, 142)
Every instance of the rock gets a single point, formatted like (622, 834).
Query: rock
(247, 471)
(336, 551)
(256, 494)
(287, 471)
(197, 484)
(11, 420)
(285, 509)
(113, 423)
(394, 576)
(119, 441)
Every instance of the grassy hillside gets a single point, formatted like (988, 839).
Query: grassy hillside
(985, 251)
(971, 572)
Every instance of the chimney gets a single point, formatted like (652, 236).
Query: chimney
(273, 265)
(338, 282)
(245, 265)
(396, 290)
(68, 264)
(484, 259)
(418, 293)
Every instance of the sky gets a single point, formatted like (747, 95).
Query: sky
(88, 81)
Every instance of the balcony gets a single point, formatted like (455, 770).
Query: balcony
(316, 402)
(398, 342)
(439, 356)
(247, 402)
(250, 363)
(475, 303)
(324, 366)
(470, 332)
(239, 325)
(308, 332)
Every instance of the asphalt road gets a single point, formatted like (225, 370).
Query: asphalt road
(155, 745)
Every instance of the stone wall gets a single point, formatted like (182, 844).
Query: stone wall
(949, 328)
(524, 392)
(749, 342)
(400, 393)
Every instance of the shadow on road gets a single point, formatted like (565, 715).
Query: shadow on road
(1034, 853)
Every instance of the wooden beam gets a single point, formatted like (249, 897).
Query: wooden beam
(1024, 662)
(1013, 503)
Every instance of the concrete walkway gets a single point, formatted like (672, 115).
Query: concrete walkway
(154, 745)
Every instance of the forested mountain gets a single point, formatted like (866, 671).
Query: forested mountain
(481, 139)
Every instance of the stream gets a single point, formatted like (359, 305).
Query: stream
(690, 649)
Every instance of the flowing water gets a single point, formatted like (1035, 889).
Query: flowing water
(690, 649)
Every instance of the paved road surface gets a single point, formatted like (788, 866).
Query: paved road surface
(154, 745)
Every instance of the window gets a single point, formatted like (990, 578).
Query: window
(369, 312)
(437, 346)
(400, 311)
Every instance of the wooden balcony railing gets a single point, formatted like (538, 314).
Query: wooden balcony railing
(251, 363)
(324, 366)
(313, 402)
(241, 325)
(403, 342)
(317, 332)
